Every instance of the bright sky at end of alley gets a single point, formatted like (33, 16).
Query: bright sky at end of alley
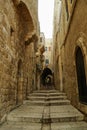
(46, 8)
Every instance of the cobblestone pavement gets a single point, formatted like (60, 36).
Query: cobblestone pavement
(45, 110)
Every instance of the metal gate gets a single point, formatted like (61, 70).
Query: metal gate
(81, 77)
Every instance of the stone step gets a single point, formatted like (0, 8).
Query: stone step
(47, 103)
(65, 118)
(46, 98)
(31, 118)
(47, 94)
(49, 111)
(25, 113)
(54, 114)
(65, 113)
(29, 126)
(53, 126)
(69, 126)
(69, 118)
(46, 91)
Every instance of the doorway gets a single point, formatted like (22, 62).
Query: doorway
(47, 77)
(81, 76)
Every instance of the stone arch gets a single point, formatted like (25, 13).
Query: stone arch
(80, 56)
(26, 22)
(81, 42)
(47, 72)
(81, 76)
(19, 90)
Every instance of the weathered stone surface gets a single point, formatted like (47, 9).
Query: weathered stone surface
(70, 35)
(42, 117)
(16, 59)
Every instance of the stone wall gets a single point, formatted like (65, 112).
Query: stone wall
(15, 25)
(72, 34)
(62, 16)
(30, 68)
(55, 42)
(76, 37)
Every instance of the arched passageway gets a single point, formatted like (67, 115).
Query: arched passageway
(47, 76)
(81, 76)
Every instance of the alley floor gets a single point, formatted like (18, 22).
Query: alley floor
(45, 110)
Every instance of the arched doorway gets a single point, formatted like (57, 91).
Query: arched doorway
(19, 90)
(47, 74)
(81, 76)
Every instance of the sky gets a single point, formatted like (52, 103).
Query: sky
(45, 11)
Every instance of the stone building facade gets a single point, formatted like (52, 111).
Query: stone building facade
(40, 59)
(18, 45)
(48, 52)
(70, 51)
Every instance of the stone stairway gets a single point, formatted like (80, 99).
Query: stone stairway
(45, 110)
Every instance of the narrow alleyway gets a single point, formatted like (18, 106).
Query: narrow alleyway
(45, 110)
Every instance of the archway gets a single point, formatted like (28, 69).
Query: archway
(19, 91)
(46, 74)
(81, 76)
(26, 27)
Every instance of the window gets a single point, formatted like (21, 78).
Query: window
(45, 48)
(40, 39)
(47, 61)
